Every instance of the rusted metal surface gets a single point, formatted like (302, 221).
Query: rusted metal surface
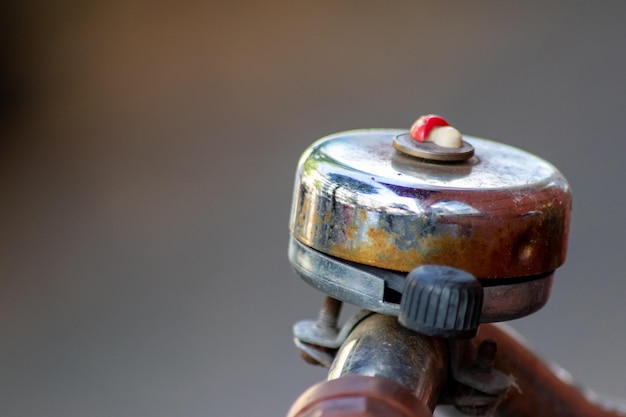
(503, 213)
(537, 389)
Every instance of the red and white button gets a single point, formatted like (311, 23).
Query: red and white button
(433, 128)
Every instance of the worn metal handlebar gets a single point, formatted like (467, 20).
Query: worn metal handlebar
(383, 369)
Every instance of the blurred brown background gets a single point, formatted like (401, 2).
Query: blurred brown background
(146, 165)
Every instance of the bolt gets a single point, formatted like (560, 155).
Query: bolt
(329, 314)
(486, 357)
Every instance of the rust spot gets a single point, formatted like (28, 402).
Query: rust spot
(352, 231)
(516, 234)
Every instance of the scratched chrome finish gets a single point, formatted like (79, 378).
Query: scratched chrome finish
(503, 213)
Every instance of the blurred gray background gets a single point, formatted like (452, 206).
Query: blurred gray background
(146, 163)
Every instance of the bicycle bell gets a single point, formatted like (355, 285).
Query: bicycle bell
(479, 223)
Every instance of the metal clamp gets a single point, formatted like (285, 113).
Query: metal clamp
(381, 290)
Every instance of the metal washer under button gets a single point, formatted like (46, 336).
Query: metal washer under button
(431, 151)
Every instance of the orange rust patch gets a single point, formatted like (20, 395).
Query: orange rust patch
(351, 231)
(381, 251)
(510, 242)
(481, 258)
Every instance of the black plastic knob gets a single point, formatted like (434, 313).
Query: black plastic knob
(441, 301)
